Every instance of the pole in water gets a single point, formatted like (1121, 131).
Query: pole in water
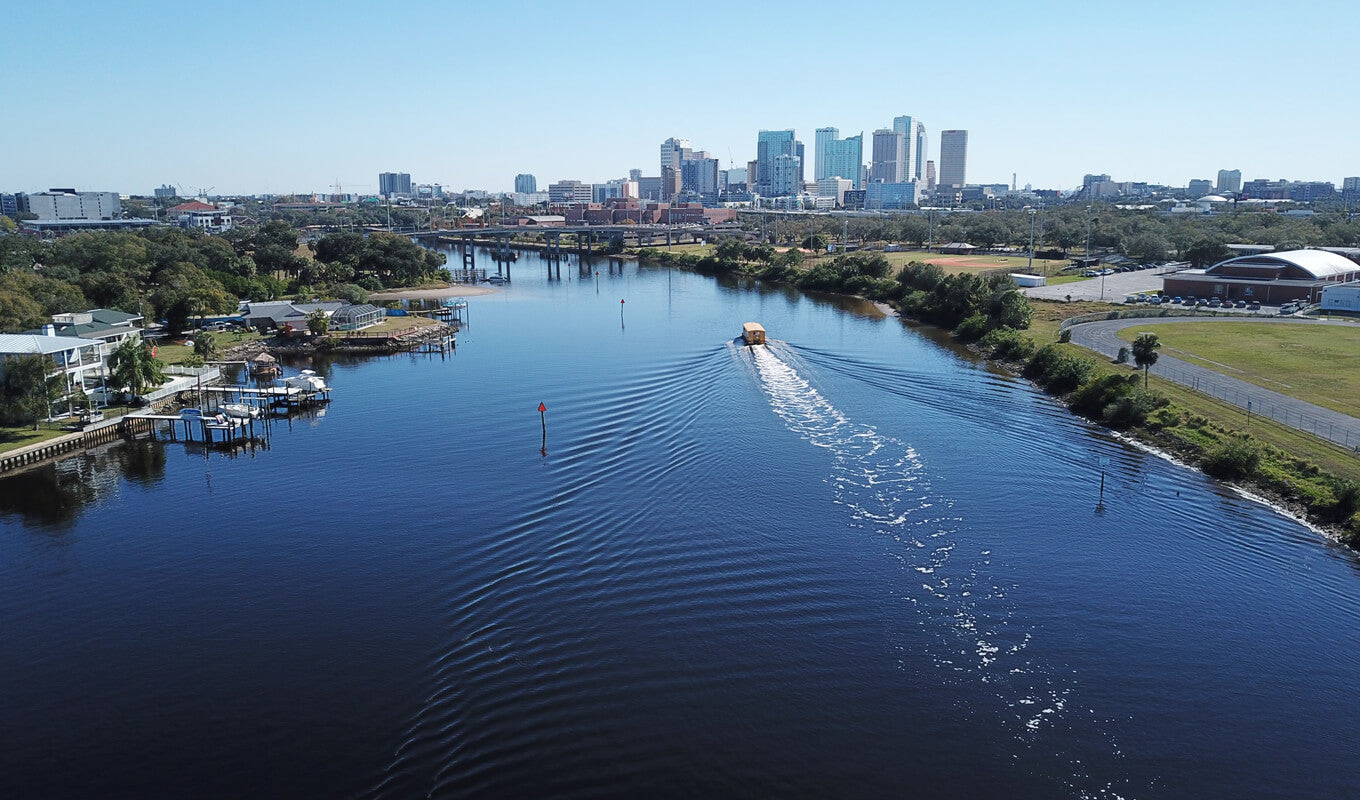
(543, 417)
(1100, 504)
(620, 313)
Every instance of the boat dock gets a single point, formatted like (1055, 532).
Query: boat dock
(270, 396)
(209, 429)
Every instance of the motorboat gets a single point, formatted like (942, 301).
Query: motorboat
(239, 410)
(308, 381)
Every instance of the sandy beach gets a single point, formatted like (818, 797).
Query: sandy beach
(452, 290)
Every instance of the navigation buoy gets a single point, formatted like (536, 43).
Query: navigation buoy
(543, 418)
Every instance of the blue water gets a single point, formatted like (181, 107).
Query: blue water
(854, 563)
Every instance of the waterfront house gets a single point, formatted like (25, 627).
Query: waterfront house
(104, 324)
(281, 314)
(79, 361)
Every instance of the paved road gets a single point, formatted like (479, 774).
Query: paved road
(1102, 337)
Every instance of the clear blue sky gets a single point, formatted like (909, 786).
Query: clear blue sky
(279, 97)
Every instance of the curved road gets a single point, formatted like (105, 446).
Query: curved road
(1102, 337)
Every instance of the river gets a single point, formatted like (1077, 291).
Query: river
(855, 563)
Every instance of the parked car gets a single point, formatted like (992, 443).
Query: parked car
(1215, 303)
(1156, 300)
(1240, 304)
(1254, 306)
(1203, 301)
(1177, 300)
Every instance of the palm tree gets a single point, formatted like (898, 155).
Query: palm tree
(132, 365)
(206, 346)
(1145, 353)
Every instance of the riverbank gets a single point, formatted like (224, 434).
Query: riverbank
(1312, 479)
(437, 293)
(1316, 480)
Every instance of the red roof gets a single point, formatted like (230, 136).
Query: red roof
(192, 205)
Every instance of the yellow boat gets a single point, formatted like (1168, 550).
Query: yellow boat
(753, 333)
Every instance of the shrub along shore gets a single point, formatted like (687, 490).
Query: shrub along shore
(1317, 481)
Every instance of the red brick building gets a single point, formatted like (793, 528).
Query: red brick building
(1270, 278)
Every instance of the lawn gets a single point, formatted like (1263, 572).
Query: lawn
(981, 263)
(169, 353)
(1316, 363)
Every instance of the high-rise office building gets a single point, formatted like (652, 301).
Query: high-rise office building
(394, 183)
(905, 126)
(673, 151)
(526, 183)
(769, 146)
(953, 159)
(930, 176)
(922, 147)
(820, 140)
(837, 157)
(699, 174)
(889, 157)
(1229, 180)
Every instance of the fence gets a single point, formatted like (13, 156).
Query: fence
(1137, 313)
(1341, 429)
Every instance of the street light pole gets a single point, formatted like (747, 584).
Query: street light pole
(1033, 212)
(1088, 252)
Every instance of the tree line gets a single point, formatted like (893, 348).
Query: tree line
(1143, 234)
(173, 274)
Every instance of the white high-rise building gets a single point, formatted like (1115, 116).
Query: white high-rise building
(784, 176)
(1229, 180)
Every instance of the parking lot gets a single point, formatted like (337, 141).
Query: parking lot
(1110, 288)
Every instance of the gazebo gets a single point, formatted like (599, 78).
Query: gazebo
(264, 364)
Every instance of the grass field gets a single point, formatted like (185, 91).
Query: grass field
(1316, 363)
(960, 264)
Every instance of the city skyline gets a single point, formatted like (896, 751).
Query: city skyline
(303, 97)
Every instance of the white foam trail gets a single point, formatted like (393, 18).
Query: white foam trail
(882, 482)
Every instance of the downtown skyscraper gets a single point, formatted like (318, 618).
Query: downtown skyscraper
(953, 159)
(771, 146)
(913, 133)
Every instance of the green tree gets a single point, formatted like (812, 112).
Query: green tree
(133, 368)
(1146, 247)
(28, 385)
(206, 346)
(1145, 353)
(318, 324)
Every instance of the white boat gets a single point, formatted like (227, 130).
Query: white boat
(239, 410)
(308, 381)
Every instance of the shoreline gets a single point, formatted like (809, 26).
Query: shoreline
(452, 290)
(1253, 489)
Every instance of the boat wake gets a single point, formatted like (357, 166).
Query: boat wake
(971, 630)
